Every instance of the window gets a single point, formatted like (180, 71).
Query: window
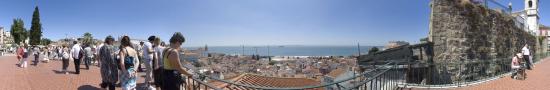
(530, 3)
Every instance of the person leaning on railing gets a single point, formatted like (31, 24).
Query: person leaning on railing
(173, 68)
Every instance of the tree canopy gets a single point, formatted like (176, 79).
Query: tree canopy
(36, 28)
(18, 31)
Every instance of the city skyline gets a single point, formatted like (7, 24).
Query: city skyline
(235, 23)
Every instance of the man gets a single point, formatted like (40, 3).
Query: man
(36, 53)
(89, 55)
(526, 53)
(140, 55)
(147, 52)
(108, 67)
(76, 53)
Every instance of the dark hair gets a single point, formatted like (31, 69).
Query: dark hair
(125, 41)
(177, 37)
(109, 39)
(151, 38)
(75, 42)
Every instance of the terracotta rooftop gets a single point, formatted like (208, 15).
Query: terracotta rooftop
(336, 72)
(265, 81)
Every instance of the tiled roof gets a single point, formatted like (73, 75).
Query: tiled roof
(272, 82)
(336, 72)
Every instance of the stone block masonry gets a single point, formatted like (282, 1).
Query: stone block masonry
(464, 32)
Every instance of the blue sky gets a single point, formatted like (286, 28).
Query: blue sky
(236, 22)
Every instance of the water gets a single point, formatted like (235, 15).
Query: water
(289, 50)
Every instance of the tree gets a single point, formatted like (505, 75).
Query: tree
(45, 41)
(87, 39)
(373, 50)
(18, 31)
(36, 28)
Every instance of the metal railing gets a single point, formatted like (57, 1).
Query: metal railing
(461, 74)
(380, 78)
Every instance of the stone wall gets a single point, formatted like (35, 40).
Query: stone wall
(462, 31)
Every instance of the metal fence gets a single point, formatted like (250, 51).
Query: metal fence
(461, 74)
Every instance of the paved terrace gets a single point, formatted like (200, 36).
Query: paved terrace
(537, 79)
(47, 76)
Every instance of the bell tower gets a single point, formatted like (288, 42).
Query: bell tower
(532, 20)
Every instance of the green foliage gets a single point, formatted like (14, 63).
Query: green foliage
(87, 39)
(36, 28)
(45, 41)
(18, 31)
(373, 50)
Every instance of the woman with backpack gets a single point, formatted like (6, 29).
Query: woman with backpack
(173, 68)
(128, 61)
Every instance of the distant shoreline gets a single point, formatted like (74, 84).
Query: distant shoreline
(294, 51)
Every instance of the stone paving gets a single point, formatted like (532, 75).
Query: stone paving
(537, 79)
(47, 76)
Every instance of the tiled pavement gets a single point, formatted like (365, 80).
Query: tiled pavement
(537, 79)
(47, 76)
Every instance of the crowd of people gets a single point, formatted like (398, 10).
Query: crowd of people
(119, 64)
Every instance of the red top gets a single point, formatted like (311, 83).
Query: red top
(20, 53)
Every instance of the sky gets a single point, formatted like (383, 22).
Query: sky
(236, 22)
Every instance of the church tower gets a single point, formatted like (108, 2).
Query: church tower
(532, 20)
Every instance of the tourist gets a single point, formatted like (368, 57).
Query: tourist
(172, 65)
(46, 53)
(20, 53)
(77, 55)
(157, 63)
(108, 67)
(526, 56)
(36, 53)
(60, 51)
(516, 64)
(140, 55)
(88, 56)
(147, 52)
(65, 56)
(25, 56)
(128, 61)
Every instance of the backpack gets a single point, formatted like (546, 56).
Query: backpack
(65, 55)
(129, 60)
(25, 53)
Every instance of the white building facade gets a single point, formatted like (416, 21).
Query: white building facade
(532, 17)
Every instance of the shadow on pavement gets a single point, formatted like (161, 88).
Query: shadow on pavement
(88, 87)
(61, 72)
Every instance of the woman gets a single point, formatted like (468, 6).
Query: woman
(20, 53)
(23, 63)
(129, 59)
(65, 56)
(157, 62)
(172, 65)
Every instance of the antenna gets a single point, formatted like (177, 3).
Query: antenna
(358, 50)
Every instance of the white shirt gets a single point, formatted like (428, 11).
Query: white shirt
(145, 49)
(525, 51)
(76, 50)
